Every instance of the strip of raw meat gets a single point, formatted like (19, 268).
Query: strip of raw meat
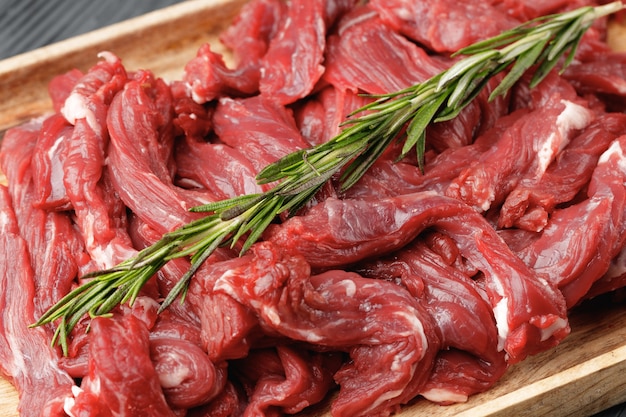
(47, 164)
(469, 361)
(591, 233)
(599, 73)
(524, 151)
(61, 86)
(221, 169)
(529, 205)
(84, 159)
(613, 279)
(389, 336)
(139, 172)
(530, 313)
(186, 374)
(527, 10)
(208, 77)
(259, 128)
(56, 250)
(122, 379)
(249, 34)
(365, 55)
(387, 178)
(191, 120)
(443, 25)
(284, 379)
(228, 328)
(292, 64)
(232, 401)
(26, 357)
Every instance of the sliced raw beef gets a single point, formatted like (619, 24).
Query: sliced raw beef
(292, 64)
(47, 164)
(529, 205)
(590, 232)
(285, 379)
(524, 151)
(443, 25)
(469, 360)
(84, 159)
(530, 314)
(258, 127)
(387, 333)
(139, 172)
(26, 357)
(186, 374)
(122, 379)
(57, 252)
(222, 170)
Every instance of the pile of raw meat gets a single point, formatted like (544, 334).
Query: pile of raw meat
(408, 285)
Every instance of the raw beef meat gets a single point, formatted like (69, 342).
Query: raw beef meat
(530, 313)
(25, 352)
(47, 164)
(136, 109)
(443, 25)
(292, 64)
(594, 230)
(469, 361)
(83, 164)
(524, 151)
(122, 379)
(414, 283)
(377, 322)
(258, 127)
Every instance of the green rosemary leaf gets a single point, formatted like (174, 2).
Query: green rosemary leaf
(417, 128)
(522, 64)
(563, 41)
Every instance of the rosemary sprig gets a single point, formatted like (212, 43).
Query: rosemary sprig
(401, 115)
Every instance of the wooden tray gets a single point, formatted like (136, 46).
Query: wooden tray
(580, 377)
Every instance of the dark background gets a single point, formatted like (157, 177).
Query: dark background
(28, 24)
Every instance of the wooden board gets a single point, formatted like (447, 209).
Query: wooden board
(580, 377)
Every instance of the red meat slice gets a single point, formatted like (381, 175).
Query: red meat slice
(208, 77)
(469, 361)
(259, 128)
(529, 9)
(137, 163)
(25, 352)
(249, 34)
(292, 65)
(443, 25)
(47, 164)
(222, 170)
(530, 313)
(591, 232)
(61, 86)
(285, 379)
(57, 252)
(389, 336)
(122, 379)
(525, 150)
(84, 159)
(186, 374)
(365, 55)
(529, 205)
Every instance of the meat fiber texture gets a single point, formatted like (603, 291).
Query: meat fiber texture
(410, 286)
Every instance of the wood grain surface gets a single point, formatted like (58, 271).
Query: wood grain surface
(582, 376)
